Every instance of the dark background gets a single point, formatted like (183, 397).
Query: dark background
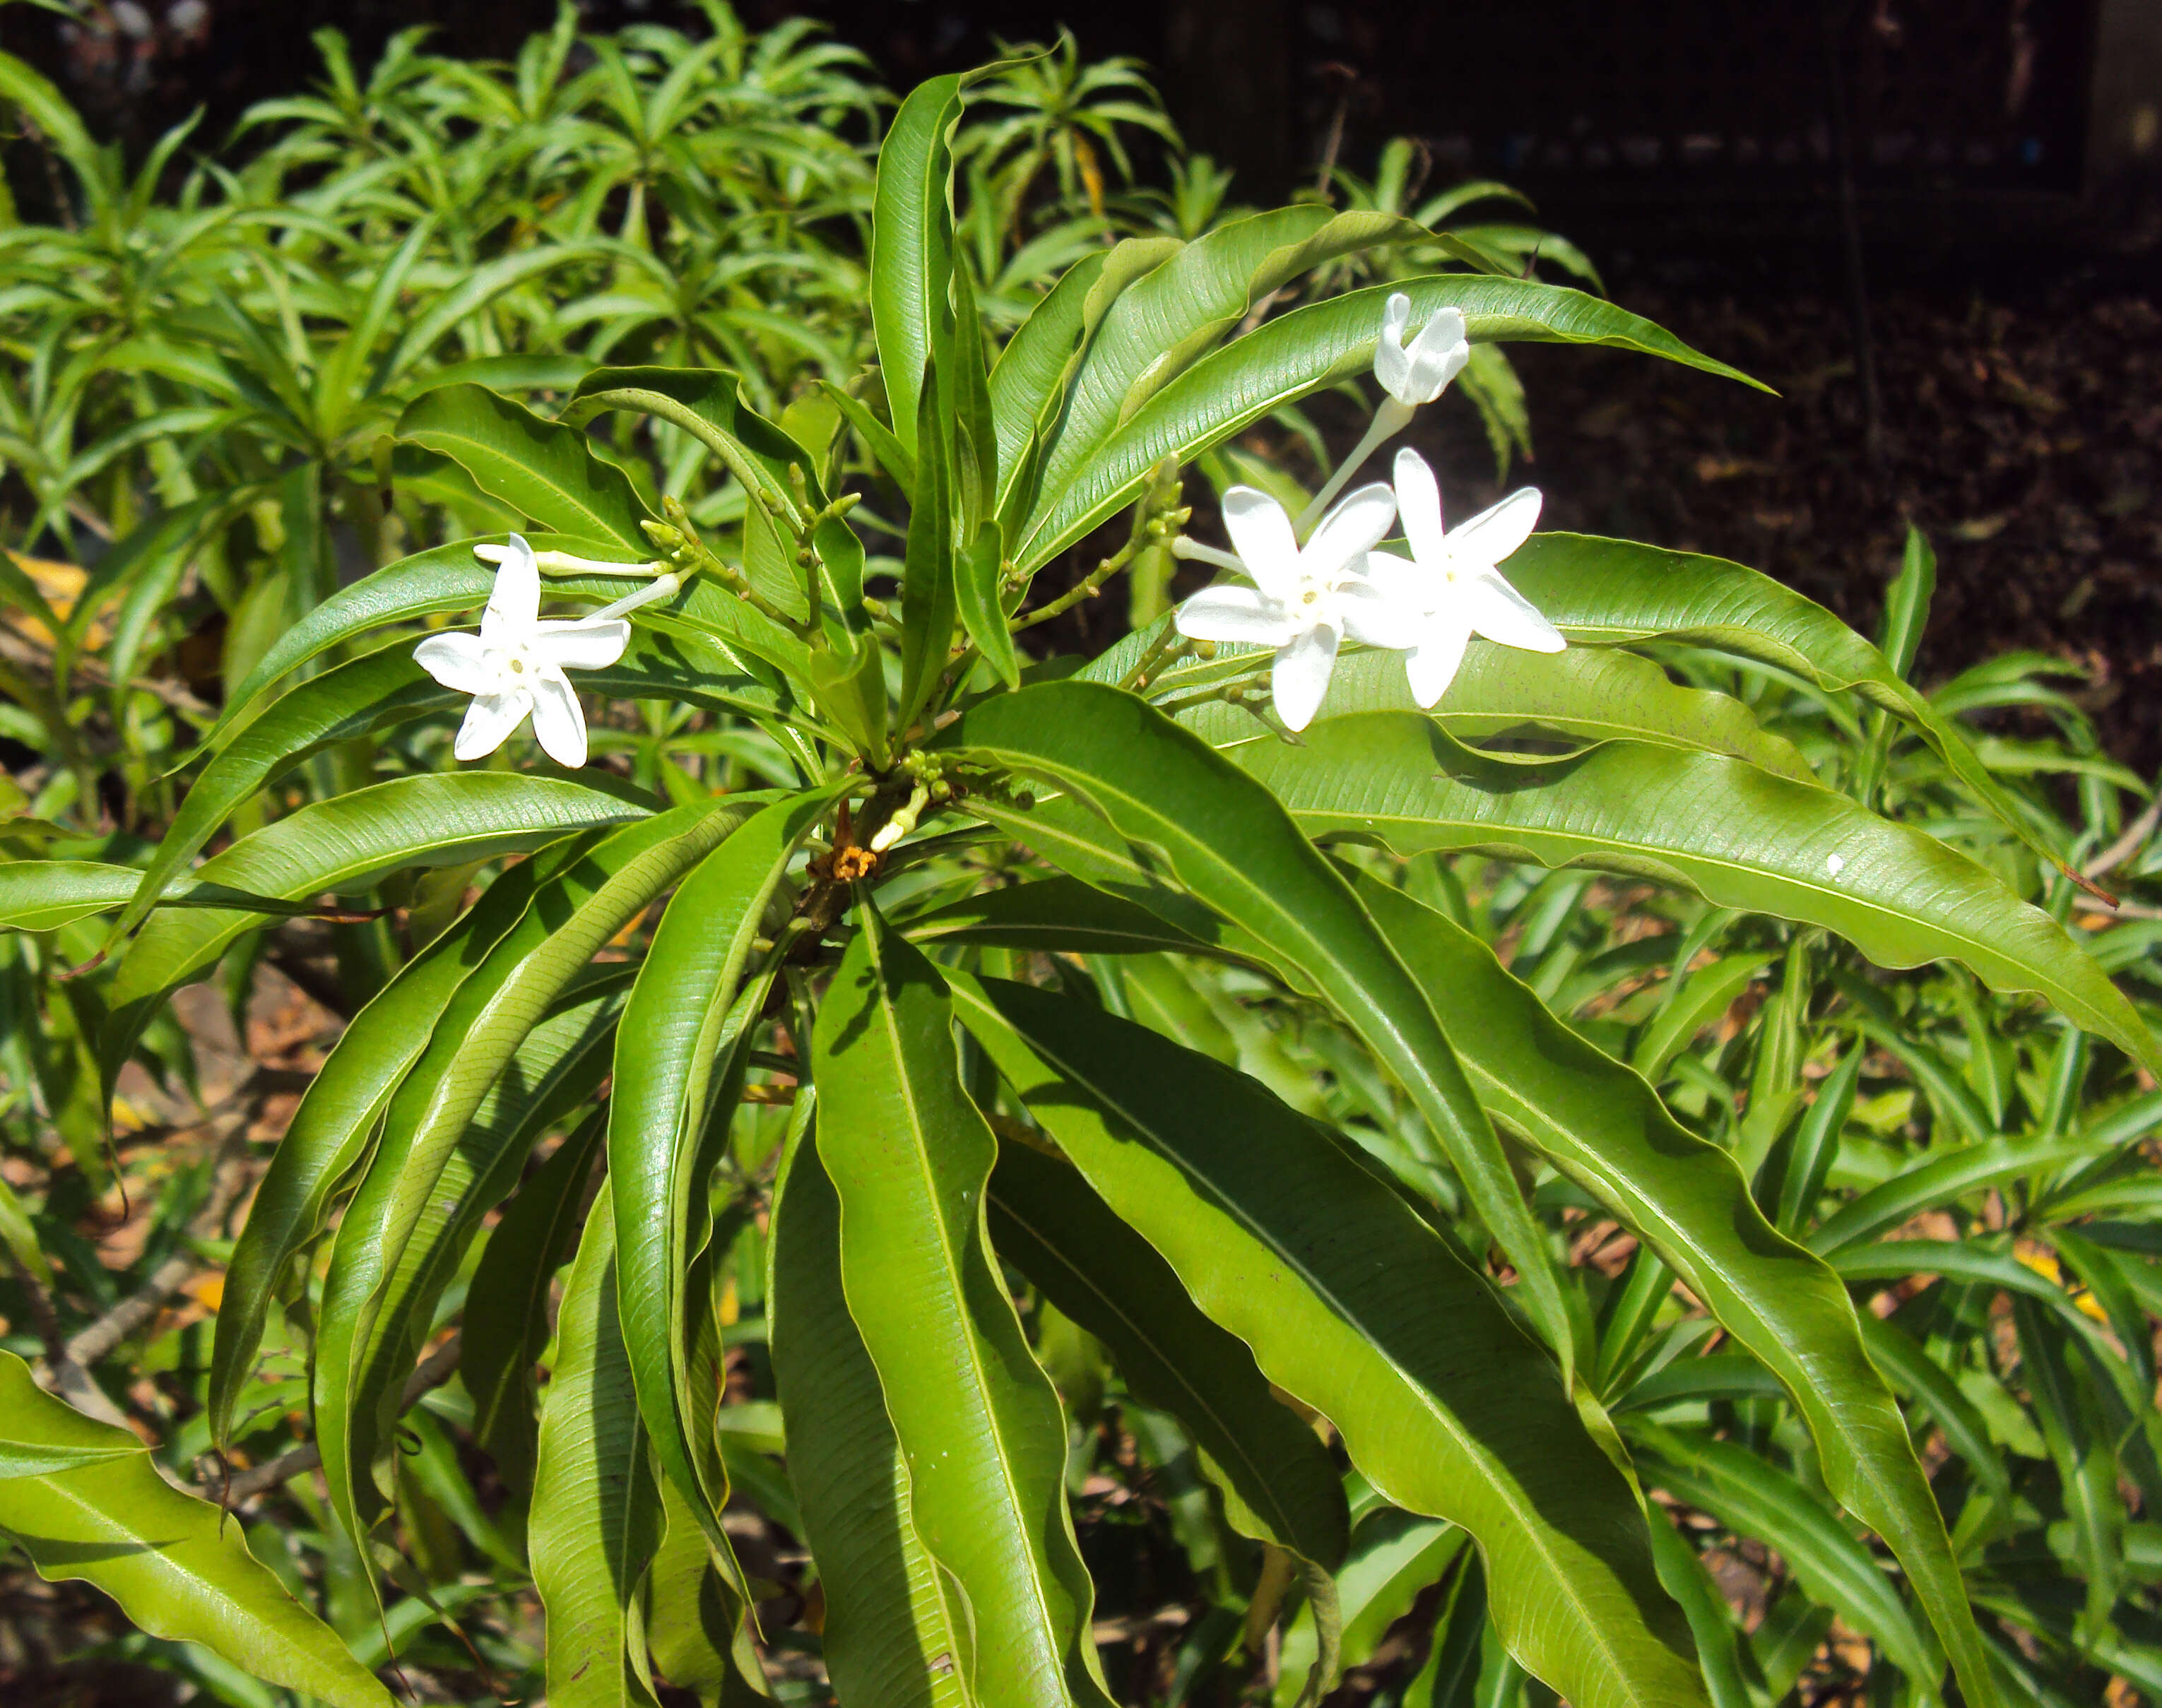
(1932, 224)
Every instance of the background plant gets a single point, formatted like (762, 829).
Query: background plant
(1959, 1155)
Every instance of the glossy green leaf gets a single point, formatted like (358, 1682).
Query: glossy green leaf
(912, 244)
(1355, 1304)
(177, 1566)
(42, 895)
(543, 467)
(336, 1118)
(978, 584)
(506, 1309)
(592, 1530)
(1614, 591)
(1602, 1126)
(981, 1431)
(1302, 353)
(1585, 694)
(1738, 837)
(341, 844)
(891, 1636)
(1395, 1557)
(1046, 1220)
(427, 1181)
(1755, 1498)
(1231, 846)
(1059, 915)
(661, 1147)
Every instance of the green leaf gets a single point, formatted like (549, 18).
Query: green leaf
(1304, 352)
(1231, 846)
(912, 244)
(1162, 323)
(336, 1118)
(1395, 1557)
(1046, 1220)
(430, 1178)
(176, 1565)
(42, 895)
(1058, 915)
(980, 1428)
(1755, 1498)
(1585, 693)
(1603, 1127)
(1028, 382)
(979, 584)
(1353, 1304)
(541, 466)
(927, 596)
(1613, 592)
(1736, 835)
(663, 1125)
(341, 844)
(506, 1309)
(592, 1528)
(889, 1638)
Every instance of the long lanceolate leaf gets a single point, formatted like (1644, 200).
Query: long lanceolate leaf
(1609, 592)
(572, 915)
(336, 1117)
(1231, 845)
(98, 1511)
(344, 843)
(1300, 353)
(659, 1152)
(982, 1435)
(912, 244)
(890, 1636)
(1736, 835)
(1353, 1303)
(1605, 1128)
(593, 1524)
(1279, 1485)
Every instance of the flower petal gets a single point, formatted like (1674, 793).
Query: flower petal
(489, 720)
(1431, 665)
(587, 644)
(1499, 611)
(1261, 533)
(1233, 614)
(1495, 531)
(1392, 366)
(558, 720)
(1301, 676)
(1437, 355)
(1350, 531)
(514, 604)
(1419, 501)
(1372, 618)
(457, 661)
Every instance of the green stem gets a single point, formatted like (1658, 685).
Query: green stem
(725, 446)
(1389, 420)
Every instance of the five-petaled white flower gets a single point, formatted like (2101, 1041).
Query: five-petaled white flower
(1451, 587)
(1419, 372)
(515, 664)
(1303, 603)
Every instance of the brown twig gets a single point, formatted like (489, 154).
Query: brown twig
(432, 1373)
(2125, 846)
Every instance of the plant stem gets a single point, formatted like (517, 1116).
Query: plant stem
(1389, 420)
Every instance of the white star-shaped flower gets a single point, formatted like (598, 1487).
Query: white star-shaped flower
(1303, 603)
(515, 664)
(1451, 587)
(1419, 372)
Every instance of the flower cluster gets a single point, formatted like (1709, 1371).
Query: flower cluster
(1306, 601)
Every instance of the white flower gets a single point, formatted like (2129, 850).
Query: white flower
(1303, 602)
(1420, 373)
(515, 664)
(1452, 586)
